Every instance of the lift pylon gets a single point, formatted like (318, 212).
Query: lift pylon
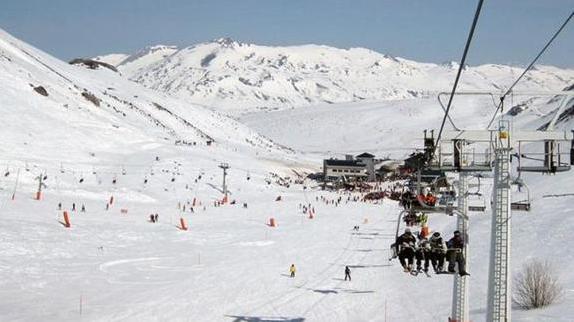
(471, 151)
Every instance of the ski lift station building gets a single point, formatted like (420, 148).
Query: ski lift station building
(362, 167)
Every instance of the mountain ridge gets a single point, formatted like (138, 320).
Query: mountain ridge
(241, 78)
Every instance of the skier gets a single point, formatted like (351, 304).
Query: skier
(455, 254)
(405, 246)
(59, 206)
(151, 218)
(74, 206)
(156, 218)
(347, 273)
(423, 253)
(83, 208)
(437, 252)
(292, 270)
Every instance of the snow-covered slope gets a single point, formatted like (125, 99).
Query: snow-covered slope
(112, 59)
(91, 110)
(147, 56)
(395, 127)
(114, 265)
(241, 78)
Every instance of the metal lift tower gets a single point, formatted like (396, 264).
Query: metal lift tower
(459, 151)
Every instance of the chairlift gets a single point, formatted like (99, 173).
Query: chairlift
(552, 159)
(475, 200)
(440, 201)
(476, 203)
(524, 204)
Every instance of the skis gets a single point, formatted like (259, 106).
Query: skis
(452, 273)
(418, 271)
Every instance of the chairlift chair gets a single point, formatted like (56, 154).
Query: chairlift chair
(524, 204)
(476, 204)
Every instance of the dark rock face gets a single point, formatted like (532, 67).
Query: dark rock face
(92, 98)
(92, 64)
(41, 90)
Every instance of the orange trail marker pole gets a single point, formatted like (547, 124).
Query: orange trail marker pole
(272, 222)
(183, 224)
(66, 220)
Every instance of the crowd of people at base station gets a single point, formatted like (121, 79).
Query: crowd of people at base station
(432, 251)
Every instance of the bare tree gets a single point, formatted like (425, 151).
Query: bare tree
(536, 286)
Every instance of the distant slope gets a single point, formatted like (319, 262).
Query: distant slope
(243, 78)
(48, 105)
(112, 59)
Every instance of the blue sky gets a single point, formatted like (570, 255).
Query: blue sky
(509, 32)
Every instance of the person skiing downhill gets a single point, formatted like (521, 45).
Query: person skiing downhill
(292, 270)
(347, 273)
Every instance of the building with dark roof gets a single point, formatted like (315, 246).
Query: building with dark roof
(369, 161)
(365, 155)
(343, 170)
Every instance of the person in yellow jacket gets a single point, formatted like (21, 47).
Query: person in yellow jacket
(292, 270)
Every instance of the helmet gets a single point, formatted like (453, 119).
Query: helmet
(457, 232)
(436, 234)
(407, 231)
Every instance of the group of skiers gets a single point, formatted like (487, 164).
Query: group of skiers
(292, 271)
(83, 208)
(432, 251)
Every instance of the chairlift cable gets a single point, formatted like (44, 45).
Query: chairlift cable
(530, 66)
(459, 72)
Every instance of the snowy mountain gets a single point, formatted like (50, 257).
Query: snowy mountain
(73, 108)
(240, 78)
(91, 135)
(112, 59)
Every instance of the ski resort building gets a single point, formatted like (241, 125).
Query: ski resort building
(361, 167)
(343, 170)
(369, 161)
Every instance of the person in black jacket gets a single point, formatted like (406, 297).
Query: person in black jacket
(405, 245)
(455, 254)
(437, 252)
(347, 273)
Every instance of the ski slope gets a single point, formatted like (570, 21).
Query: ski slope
(115, 265)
